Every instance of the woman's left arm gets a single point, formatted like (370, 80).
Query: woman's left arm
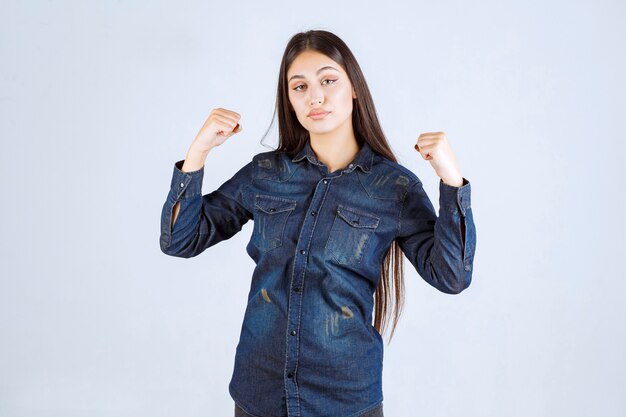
(441, 248)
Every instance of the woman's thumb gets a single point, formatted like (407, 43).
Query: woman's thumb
(228, 134)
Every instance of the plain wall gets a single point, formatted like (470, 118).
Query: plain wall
(99, 99)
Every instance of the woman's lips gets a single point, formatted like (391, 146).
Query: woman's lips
(317, 116)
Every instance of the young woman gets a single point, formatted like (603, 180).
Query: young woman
(333, 214)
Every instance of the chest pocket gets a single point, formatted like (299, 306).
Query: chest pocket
(350, 234)
(270, 218)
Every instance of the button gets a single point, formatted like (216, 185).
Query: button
(182, 184)
(297, 289)
(313, 213)
(272, 210)
(293, 332)
(290, 375)
(467, 267)
(325, 181)
(350, 166)
(302, 251)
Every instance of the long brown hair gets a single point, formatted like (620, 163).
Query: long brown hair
(292, 137)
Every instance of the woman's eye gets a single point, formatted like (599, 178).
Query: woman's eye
(296, 88)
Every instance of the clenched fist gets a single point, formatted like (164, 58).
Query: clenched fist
(219, 126)
(435, 148)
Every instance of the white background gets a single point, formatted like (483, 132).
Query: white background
(99, 99)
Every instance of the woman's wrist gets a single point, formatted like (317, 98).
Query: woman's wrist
(195, 159)
(454, 182)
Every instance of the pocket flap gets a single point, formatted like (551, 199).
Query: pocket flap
(357, 219)
(272, 205)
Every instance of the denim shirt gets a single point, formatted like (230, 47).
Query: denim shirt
(307, 345)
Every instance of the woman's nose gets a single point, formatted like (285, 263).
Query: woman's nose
(316, 96)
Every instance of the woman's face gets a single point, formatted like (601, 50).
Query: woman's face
(317, 83)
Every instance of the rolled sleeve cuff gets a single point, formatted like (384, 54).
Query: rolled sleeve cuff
(186, 184)
(455, 198)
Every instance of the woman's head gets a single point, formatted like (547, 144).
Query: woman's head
(349, 101)
(316, 83)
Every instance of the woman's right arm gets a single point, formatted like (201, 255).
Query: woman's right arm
(194, 161)
(191, 222)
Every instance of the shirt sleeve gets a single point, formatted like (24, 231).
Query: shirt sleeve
(203, 220)
(440, 248)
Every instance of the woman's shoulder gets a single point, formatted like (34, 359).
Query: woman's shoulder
(271, 155)
(387, 179)
(273, 164)
(401, 173)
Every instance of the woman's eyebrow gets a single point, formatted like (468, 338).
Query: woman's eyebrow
(318, 71)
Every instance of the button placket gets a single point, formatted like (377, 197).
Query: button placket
(298, 276)
(181, 186)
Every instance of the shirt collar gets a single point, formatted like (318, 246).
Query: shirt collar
(363, 158)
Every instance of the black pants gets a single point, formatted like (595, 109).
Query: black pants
(375, 412)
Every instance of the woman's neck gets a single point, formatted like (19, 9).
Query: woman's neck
(335, 151)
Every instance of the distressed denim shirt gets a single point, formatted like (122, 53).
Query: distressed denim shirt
(307, 345)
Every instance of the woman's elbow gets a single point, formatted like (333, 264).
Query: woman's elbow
(450, 281)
